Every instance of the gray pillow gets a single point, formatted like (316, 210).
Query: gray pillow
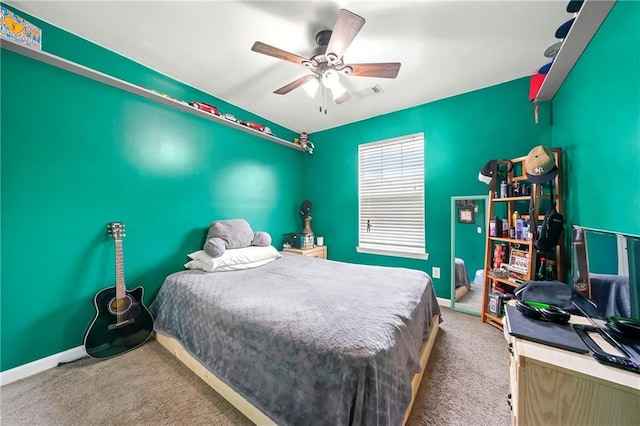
(236, 233)
(215, 247)
(261, 239)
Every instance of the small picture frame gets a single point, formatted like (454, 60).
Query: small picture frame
(466, 203)
(466, 215)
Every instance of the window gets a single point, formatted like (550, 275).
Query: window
(391, 197)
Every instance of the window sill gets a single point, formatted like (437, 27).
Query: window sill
(422, 256)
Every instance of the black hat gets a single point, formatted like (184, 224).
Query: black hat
(563, 29)
(574, 6)
(490, 169)
(487, 172)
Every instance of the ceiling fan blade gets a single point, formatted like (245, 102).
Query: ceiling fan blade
(294, 84)
(347, 27)
(383, 70)
(265, 49)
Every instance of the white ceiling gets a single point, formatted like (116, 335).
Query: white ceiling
(445, 47)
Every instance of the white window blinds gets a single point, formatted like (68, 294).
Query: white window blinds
(391, 196)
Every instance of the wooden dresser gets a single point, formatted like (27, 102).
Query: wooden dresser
(319, 252)
(552, 386)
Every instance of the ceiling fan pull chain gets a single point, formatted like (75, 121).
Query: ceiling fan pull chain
(326, 96)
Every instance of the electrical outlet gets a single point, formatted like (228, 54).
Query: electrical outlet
(435, 272)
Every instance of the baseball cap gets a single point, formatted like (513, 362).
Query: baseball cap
(563, 29)
(574, 6)
(553, 50)
(540, 165)
(489, 170)
(545, 68)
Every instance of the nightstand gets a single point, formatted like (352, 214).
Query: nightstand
(319, 252)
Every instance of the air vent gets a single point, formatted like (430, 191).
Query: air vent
(368, 92)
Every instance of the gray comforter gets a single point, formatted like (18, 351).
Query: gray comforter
(306, 340)
(462, 277)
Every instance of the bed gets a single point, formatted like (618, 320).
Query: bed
(302, 340)
(462, 279)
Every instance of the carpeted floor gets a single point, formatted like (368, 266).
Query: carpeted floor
(472, 301)
(466, 383)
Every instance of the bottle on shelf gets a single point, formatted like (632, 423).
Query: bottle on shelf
(520, 234)
(495, 227)
(503, 189)
(515, 216)
(550, 274)
(542, 270)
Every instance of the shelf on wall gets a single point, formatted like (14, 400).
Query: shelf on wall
(588, 20)
(508, 282)
(75, 68)
(508, 254)
(509, 240)
(506, 199)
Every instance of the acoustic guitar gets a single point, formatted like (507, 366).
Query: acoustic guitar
(122, 321)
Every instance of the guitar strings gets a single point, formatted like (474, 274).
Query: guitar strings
(119, 278)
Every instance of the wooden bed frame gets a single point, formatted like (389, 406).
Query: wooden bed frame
(253, 413)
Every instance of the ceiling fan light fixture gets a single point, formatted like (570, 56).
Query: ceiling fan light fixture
(330, 78)
(311, 87)
(337, 91)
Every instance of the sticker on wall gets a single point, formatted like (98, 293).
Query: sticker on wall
(19, 30)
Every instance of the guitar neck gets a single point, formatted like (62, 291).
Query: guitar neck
(120, 287)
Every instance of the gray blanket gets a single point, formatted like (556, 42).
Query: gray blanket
(611, 294)
(462, 278)
(306, 340)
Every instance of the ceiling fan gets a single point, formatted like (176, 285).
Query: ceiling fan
(326, 60)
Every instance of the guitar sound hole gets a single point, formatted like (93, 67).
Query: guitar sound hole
(120, 306)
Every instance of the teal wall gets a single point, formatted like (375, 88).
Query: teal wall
(461, 134)
(596, 120)
(602, 252)
(77, 154)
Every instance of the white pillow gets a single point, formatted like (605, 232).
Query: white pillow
(203, 266)
(233, 259)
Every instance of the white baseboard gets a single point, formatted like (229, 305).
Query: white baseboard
(40, 365)
(444, 302)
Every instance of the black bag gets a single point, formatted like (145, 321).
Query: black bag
(552, 227)
(554, 293)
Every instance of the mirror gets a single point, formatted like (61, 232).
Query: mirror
(606, 268)
(468, 242)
